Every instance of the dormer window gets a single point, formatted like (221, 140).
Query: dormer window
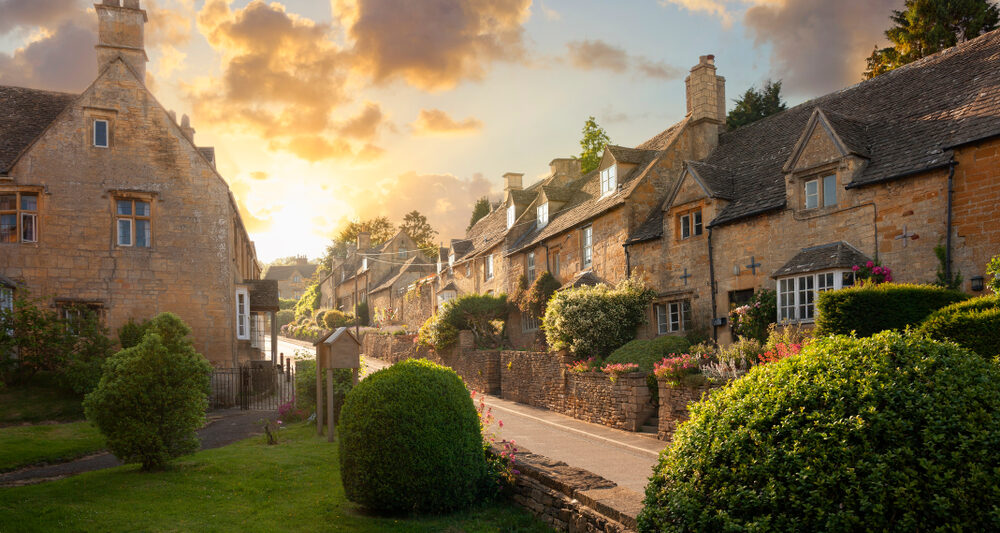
(609, 180)
(101, 133)
(543, 215)
(511, 213)
(690, 224)
(451, 259)
(364, 263)
(820, 192)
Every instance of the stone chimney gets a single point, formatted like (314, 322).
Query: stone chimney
(512, 181)
(301, 261)
(120, 33)
(564, 170)
(186, 128)
(706, 103)
(364, 241)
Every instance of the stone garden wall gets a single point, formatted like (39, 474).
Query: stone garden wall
(622, 403)
(533, 378)
(674, 400)
(480, 369)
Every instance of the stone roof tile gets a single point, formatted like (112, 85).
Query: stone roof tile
(24, 115)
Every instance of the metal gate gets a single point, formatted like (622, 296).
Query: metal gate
(259, 386)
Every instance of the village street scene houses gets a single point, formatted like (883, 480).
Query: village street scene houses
(391, 285)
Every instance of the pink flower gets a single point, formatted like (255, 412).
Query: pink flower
(870, 264)
(500, 423)
(889, 277)
(855, 268)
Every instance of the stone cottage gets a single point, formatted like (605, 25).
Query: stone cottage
(292, 279)
(885, 170)
(107, 202)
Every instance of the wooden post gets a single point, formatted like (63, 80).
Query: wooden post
(329, 406)
(319, 391)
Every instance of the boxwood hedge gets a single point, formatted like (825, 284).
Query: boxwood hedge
(894, 432)
(646, 353)
(869, 309)
(973, 324)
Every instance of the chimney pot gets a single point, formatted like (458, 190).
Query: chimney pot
(186, 128)
(364, 241)
(512, 181)
(121, 33)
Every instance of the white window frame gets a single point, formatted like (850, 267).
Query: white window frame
(529, 268)
(529, 322)
(364, 263)
(543, 215)
(797, 294)
(673, 317)
(831, 182)
(587, 247)
(813, 198)
(694, 224)
(489, 267)
(609, 180)
(242, 313)
(451, 259)
(107, 133)
(511, 215)
(21, 214)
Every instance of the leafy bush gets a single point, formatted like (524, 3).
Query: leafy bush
(584, 365)
(305, 384)
(285, 316)
(993, 269)
(362, 314)
(972, 324)
(152, 397)
(752, 320)
(868, 309)
(410, 441)
(287, 303)
(131, 333)
(872, 272)
(334, 319)
(535, 299)
(308, 303)
(90, 348)
(647, 353)
(596, 320)
(889, 433)
(483, 314)
(743, 353)
(674, 369)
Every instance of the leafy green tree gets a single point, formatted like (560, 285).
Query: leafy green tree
(925, 27)
(592, 145)
(380, 229)
(481, 209)
(290, 260)
(152, 397)
(417, 228)
(755, 105)
(32, 338)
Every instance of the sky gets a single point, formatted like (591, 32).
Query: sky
(323, 111)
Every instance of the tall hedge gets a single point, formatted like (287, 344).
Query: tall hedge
(893, 432)
(972, 324)
(410, 441)
(869, 309)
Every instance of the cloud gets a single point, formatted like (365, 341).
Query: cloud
(365, 125)
(62, 60)
(599, 55)
(438, 122)
(432, 44)
(550, 14)
(818, 46)
(36, 13)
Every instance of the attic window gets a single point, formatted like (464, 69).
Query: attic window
(101, 133)
(609, 180)
(825, 195)
(510, 216)
(543, 215)
(451, 259)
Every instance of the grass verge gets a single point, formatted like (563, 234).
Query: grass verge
(50, 443)
(247, 486)
(38, 403)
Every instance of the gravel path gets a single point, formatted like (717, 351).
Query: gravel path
(224, 427)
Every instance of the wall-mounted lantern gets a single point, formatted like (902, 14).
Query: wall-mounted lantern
(977, 283)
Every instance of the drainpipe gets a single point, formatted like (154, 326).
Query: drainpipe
(947, 246)
(711, 274)
(628, 262)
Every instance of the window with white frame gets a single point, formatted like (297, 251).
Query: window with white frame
(511, 213)
(820, 192)
(587, 246)
(101, 133)
(529, 322)
(489, 267)
(543, 214)
(529, 266)
(242, 314)
(451, 259)
(133, 221)
(797, 294)
(364, 263)
(673, 317)
(609, 180)
(18, 217)
(690, 224)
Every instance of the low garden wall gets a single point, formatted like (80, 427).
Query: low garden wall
(480, 369)
(533, 378)
(674, 400)
(622, 403)
(573, 499)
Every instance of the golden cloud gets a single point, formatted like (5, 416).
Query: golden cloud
(599, 55)
(432, 44)
(438, 122)
(365, 125)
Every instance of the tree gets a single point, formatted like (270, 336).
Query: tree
(417, 228)
(593, 142)
(379, 228)
(290, 260)
(481, 209)
(926, 27)
(755, 105)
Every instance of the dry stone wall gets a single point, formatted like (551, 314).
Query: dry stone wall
(533, 378)
(623, 403)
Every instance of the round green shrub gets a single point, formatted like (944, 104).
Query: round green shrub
(152, 397)
(894, 432)
(410, 441)
(972, 324)
(647, 353)
(334, 319)
(596, 320)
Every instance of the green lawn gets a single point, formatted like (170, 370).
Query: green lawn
(247, 486)
(38, 403)
(49, 443)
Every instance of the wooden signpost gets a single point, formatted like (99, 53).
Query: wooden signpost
(338, 349)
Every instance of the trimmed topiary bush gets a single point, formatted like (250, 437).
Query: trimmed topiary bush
(483, 314)
(410, 441)
(596, 320)
(894, 432)
(334, 319)
(646, 353)
(152, 397)
(869, 309)
(972, 324)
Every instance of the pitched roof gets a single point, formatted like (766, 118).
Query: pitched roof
(24, 115)
(333, 336)
(629, 156)
(581, 279)
(651, 228)
(283, 272)
(486, 233)
(717, 180)
(833, 255)
(417, 263)
(557, 194)
(904, 121)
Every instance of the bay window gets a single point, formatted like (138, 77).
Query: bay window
(797, 294)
